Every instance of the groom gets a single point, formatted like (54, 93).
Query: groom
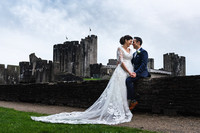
(140, 60)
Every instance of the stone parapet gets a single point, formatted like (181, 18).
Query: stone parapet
(168, 95)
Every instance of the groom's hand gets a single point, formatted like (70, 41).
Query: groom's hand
(134, 74)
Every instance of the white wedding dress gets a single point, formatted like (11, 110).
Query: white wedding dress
(110, 108)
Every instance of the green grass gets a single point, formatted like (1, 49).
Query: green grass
(12, 121)
(87, 79)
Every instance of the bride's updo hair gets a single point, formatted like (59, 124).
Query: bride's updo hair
(126, 37)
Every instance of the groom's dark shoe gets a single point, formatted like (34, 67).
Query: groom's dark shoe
(133, 104)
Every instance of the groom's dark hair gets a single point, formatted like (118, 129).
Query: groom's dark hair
(138, 39)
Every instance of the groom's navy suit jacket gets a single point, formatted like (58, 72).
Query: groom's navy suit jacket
(140, 63)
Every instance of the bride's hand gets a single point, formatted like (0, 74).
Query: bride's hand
(130, 74)
(133, 74)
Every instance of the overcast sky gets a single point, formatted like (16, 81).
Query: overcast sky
(34, 26)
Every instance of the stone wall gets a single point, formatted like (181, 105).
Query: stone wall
(112, 62)
(95, 70)
(12, 74)
(36, 71)
(172, 95)
(81, 94)
(9, 75)
(169, 95)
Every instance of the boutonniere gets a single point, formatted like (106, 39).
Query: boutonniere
(138, 51)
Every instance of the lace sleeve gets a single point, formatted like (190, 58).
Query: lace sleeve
(119, 56)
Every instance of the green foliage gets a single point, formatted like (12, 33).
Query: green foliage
(12, 121)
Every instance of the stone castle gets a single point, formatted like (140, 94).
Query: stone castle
(73, 61)
(74, 57)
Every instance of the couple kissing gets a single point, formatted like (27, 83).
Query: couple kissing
(111, 107)
(139, 63)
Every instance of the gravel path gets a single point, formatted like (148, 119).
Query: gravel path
(178, 124)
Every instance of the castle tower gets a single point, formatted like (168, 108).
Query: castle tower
(2, 74)
(65, 57)
(150, 64)
(12, 74)
(72, 57)
(89, 54)
(175, 64)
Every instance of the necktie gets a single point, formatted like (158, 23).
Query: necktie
(135, 54)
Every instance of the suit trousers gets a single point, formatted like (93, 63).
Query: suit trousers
(130, 87)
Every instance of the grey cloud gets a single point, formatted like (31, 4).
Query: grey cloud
(165, 26)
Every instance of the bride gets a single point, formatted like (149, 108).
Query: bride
(111, 107)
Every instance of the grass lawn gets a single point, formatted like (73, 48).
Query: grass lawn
(87, 79)
(12, 121)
